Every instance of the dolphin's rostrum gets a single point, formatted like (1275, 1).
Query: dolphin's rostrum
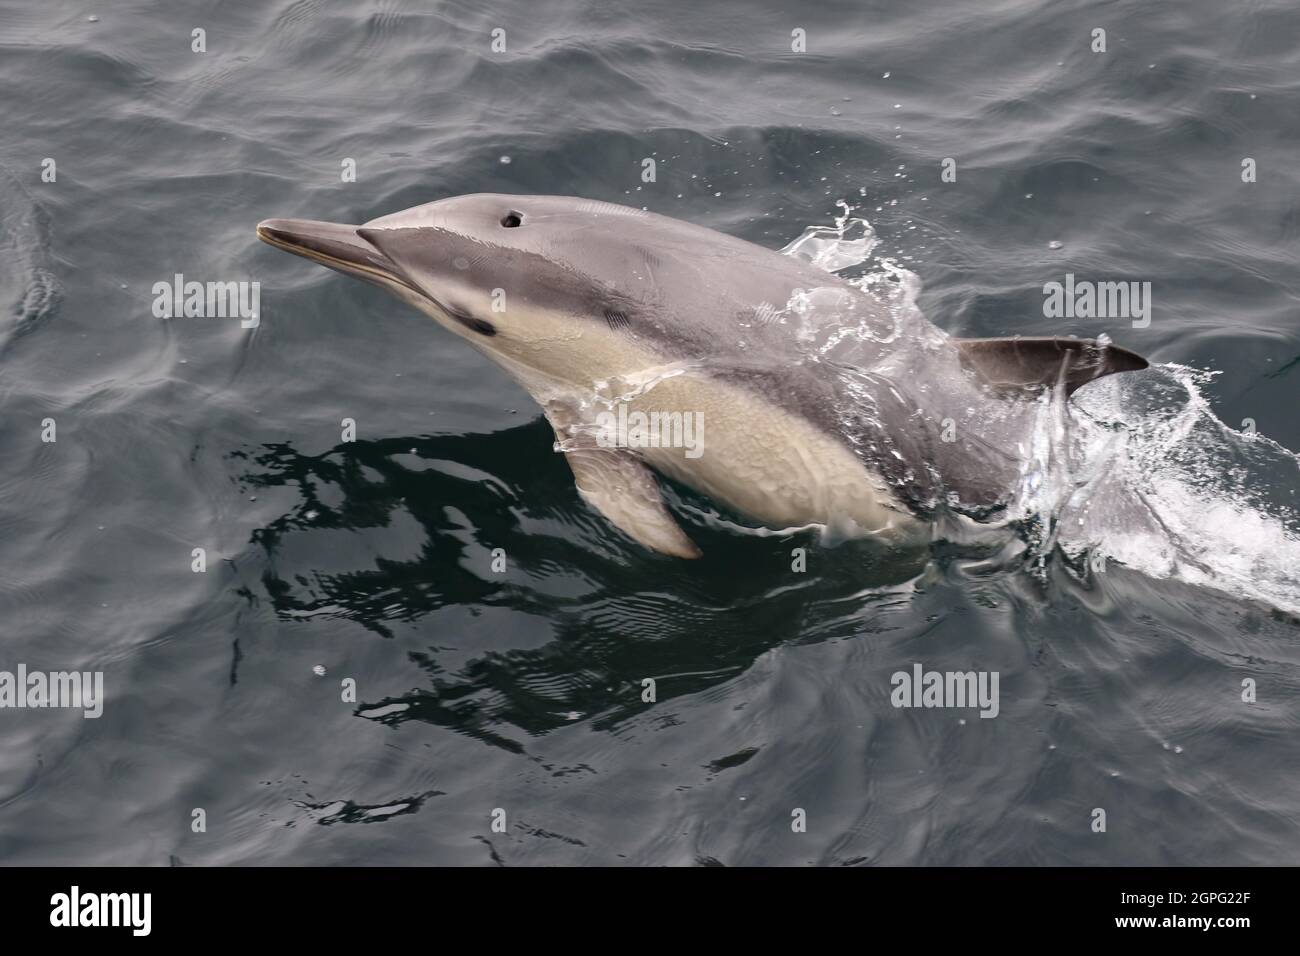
(593, 306)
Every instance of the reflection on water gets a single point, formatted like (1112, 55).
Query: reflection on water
(608, 627)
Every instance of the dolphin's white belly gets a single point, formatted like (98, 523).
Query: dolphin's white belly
(757, 458)
(769, 463)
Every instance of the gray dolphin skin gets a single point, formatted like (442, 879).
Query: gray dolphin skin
(815, 402)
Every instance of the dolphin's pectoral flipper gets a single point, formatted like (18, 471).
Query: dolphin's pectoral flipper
(1021, 362)
(618, 484)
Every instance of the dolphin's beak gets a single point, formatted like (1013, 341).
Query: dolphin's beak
(332, 244)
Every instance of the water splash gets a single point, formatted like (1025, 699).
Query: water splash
(1135, 468)
(845, 245)
(604, 396)
(1167, 488)
(828, 318)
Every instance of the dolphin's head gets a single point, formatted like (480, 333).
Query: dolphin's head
(552, 283)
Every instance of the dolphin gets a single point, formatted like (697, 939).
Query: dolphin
(816, 401)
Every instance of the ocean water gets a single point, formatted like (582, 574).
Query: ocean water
(1123, 645)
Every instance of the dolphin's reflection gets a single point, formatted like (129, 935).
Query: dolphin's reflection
(618, 613)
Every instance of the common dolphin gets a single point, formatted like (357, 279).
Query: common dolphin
(822, 403)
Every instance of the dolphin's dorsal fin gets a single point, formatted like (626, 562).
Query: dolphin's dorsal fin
(618, 484)
(1025, 362)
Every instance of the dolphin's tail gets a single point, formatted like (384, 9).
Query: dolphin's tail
(1026, 362)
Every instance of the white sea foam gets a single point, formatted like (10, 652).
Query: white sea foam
(1135, 468)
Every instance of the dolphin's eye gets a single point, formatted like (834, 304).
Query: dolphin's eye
(511, 220)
